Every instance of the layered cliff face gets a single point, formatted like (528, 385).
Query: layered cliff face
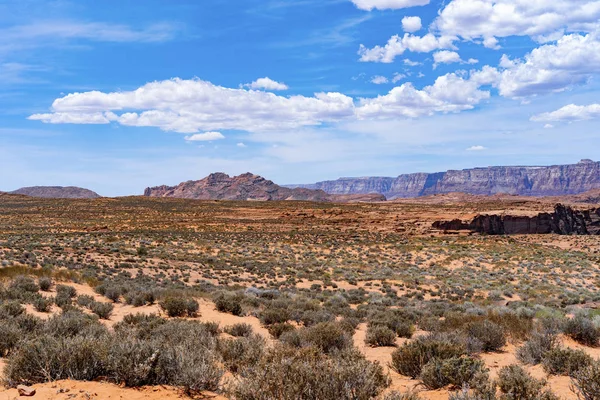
(563, 221)
(526, 181)
(57, 192)
(248, 186)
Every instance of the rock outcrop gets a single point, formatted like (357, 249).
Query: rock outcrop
(563, 221)
(57, 192)
(555, 180)
(220, 186)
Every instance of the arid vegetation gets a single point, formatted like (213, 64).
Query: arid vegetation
(354, 301)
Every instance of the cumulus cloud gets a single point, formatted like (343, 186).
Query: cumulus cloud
(205, 137)
(190, 106)
(487, 19)
(369, 5)
(476, 148)
(398, 77)
(449, 93)
(449, 57)
(267, 84)
(550, 68)
(379, 80)
(570, 113)
(241, 144)
(411, 24)
(397, 46)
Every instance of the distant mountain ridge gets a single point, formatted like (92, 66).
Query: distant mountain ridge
(220, 186)
(57, 192)
(553, 180)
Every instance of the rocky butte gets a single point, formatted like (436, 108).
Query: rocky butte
(57, 192)
(220, 186)
(554, 180)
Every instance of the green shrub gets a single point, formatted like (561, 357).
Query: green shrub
(85, 300)
(179, 307)
(273, 315)
(582, 330)
(10, 335)
(455, 371)
(565, 361)
(379, 335)
(64, 290)
(276, 330)
(228, 303)
(45, 284)
(326, 336)
(102, 310)
(239, 330)
(517, 384)
(289, 373)
(11, 308)
(409, 359)
(491, 335)
(586, 382)
(394, 395)
(24, 284)
(535, 349)
(41, 304)
(242, 352)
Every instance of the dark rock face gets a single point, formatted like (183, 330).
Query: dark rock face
(220, 186)
(57, 192)
(563, 221)
(555, 180)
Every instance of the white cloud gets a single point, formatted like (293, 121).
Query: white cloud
(379, 80)
(449, 93)
(398, 77)
(411, 63)
(570, 113)
(411, 24)
(491, 43)
(267, 84)
(552, 68)
(548, 126)
(476, 148)
(397, 45)
(388, 4)
(190, 106)
(240, 144)
(205, 137)
(449, 57)
(472, 19)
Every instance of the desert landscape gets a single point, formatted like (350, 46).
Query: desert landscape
(151, 298)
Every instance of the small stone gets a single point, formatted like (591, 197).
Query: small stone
(25, 390)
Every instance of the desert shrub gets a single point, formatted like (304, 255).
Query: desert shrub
(84, 300)
(409, 359)
(102, 310)
(10, 335)
(586, 382)
(29, 324)
(11, 308)
(455, 371)
(401, 324)
(273, 315)
(72, 323)
(42, 304)
(491, 335)
(535, 349)
(65, 290)
(565, 361)
(241, 352)
(24, 284)
(45, 284)
(179, 307)
(63, 300)
(239, 330)
(229, 303)
(379, 335)
(326, 336)
(394, 395)
(517, 384)
(276, 330)
(582, 330)
(345, 376)
(113, 293)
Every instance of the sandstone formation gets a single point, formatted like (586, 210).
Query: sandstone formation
(57, 192)
(563, 221)
(526, 181)
(220, 186)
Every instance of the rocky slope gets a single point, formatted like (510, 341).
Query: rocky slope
(57, 192)
(220, 186)
(563, 221)
(555, 180)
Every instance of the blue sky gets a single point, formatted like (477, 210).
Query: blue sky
(295, 90)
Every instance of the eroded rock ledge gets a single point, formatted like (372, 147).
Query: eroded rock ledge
(563, 221)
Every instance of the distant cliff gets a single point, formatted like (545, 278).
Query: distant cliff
(555, 180)
(220, 186)
(563, 221)
(57, 192)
